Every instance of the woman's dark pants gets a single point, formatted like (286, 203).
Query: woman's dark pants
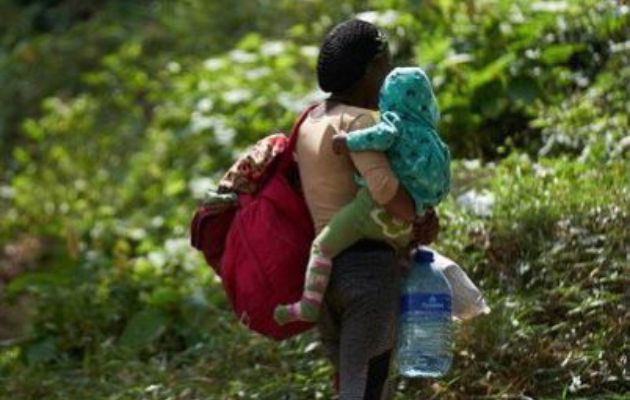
(359, 319)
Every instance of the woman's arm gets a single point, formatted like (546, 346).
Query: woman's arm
(386, 190)
(426, 228)
(401, 205)
(381, 181)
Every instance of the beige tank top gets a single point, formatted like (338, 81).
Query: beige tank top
(328, 178)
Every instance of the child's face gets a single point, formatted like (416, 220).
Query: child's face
(408, 92)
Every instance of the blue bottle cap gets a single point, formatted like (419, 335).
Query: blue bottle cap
(423, 256)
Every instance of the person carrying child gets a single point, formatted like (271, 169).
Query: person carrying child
(358, 320)
(407, 133)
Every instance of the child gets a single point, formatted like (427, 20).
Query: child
(407, 133)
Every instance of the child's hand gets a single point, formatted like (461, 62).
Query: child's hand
(339, 144)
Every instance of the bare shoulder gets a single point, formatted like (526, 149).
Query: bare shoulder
(357, 118)
(344, 117)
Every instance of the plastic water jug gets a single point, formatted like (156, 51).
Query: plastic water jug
(426, 326)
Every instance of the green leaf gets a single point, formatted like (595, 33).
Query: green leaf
(524, 89)
(490, 99)
(33, 130)
(559, 53)
(164, 295)
(174, 187)
(39, 281)
(143, 328)
(492, 71)
(42, 351)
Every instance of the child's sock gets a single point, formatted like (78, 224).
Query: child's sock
(308, 307)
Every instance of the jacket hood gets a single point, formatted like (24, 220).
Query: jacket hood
(408, 93)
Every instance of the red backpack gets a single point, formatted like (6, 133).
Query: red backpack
(261, 247)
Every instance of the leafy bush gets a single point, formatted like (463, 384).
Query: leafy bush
(116, 121)
(553, 254)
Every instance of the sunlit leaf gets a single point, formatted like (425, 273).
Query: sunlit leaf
(143, 328)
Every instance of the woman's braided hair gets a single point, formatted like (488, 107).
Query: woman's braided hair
(346, 53)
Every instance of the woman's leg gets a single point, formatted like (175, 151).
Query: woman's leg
(360, 320)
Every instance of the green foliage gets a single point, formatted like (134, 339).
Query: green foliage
(498, 64)
(555, 252)
(117, 115)
(592, 122)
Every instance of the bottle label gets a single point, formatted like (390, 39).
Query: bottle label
(426, 303)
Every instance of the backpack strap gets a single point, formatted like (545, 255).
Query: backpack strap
(295, 131)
